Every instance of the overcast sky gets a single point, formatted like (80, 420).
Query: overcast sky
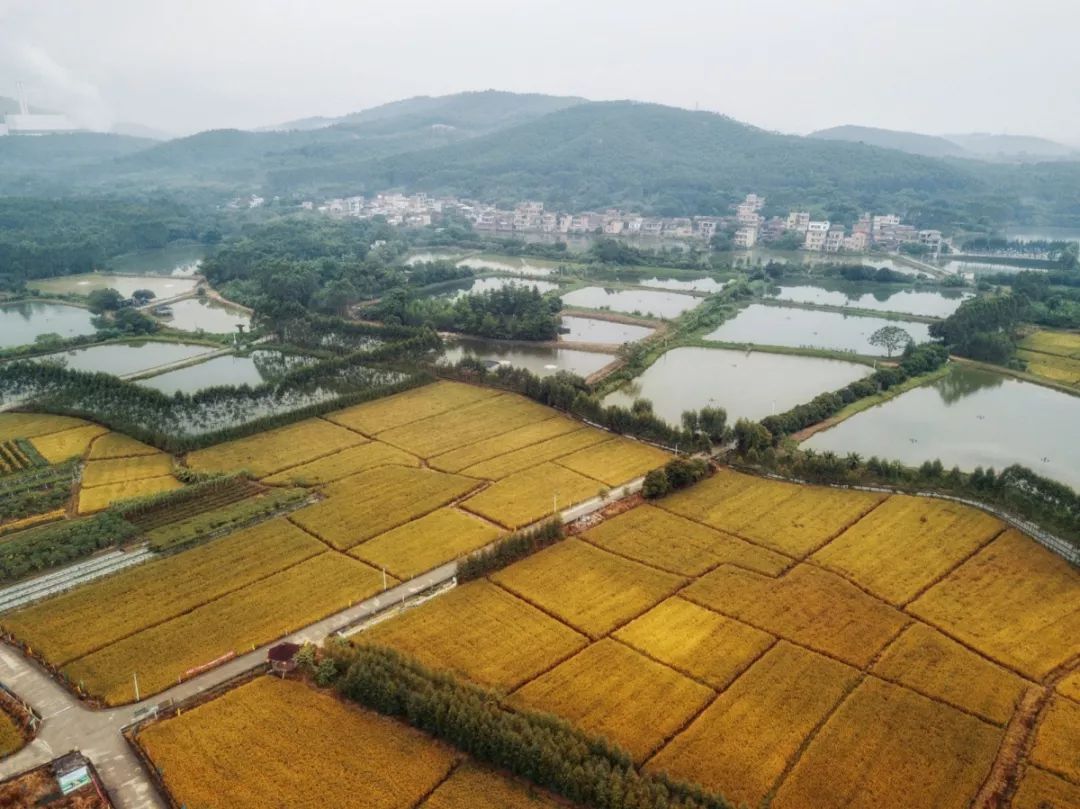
(927, 65)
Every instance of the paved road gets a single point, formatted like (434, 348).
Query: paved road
(69, 724)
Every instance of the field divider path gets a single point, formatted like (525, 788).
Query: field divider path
(938, 579)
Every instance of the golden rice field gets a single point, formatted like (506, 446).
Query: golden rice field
(96, 498)
(118, 445)
(238, 621)
(906, 544)
(474, 787)
(667, 541)
(32, 425)
(482, 632)
(281, 743)
(72, 624)
(71, 443)
(32, 520)
(529, 435)
(826, 678)
(698, 642)
(489, 417)
(884, 740)
(1014, 601)
(616, 461)
(610, 690)
(341, 464)
(375, 417)
(1042, 790)
(1057, 740)
(263, 454)
(589, 589)
(120, 470)
(369, 503)
(1063, 370)
(531, 495)
(427, 542)
(527, 457)
(741, 744)
(1061, 343)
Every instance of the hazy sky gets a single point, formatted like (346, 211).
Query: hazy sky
(927, 65)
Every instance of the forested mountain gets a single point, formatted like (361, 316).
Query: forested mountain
(1018, 148)
(910, 142)
(501, 147)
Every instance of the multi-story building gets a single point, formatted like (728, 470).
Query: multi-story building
(816, 232)
(679, 227)
(613, 227)
(745, 238)
(857, 242)
(834, 239)
(652, 227)
(931, 239)
(798, 220)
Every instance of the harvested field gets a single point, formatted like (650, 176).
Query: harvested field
(741, 744)
(519, 460)
(31, 425)
(1059, 343)
(590, 589)
(412, 405)
(535, 433)
(907, 543)
(1063, 370)
(928, 662)
(526, 497)
(481, 632)
(1014, 601)
(225, 519)
(807, 605)
(29, 522)
(801, 524)
(73, 624)
(889, 748)
(118, 445)
(475, 787)
(99, 497)
(227, 753)
(1042, 790)
(263, 454)
(342, 464)
(11, 737)
(1057, 741)
(695, 641)
(370, 503)
(492, 416)
(673, 543)
(238, 621)
(73, 443)
(612, 691)
(193, 502)
(120, 470)
(616, 461)
(426, 543)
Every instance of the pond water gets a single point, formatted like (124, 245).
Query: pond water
(254, 369)
(22, 322)
(980, 268)
(181, 260)
(968, 418)
(540, 360)
(763, 255)
(478, 285)
(645, 302)
(592, 330)
(747, 384)
(705, 284)
(163, 286)
(881, 298)
(124, 359)
(201, 314)
(759, 324)
(428, 256)
(517, 265)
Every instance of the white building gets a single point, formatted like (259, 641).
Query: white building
(798, 220)
(745, 238)
(834, 239)
(816, 233)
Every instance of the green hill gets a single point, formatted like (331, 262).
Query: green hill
(910, 142)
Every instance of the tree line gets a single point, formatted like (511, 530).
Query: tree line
(511, 313)
(541, 748)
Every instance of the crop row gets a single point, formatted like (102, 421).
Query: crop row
(225, 518)
(191, 501)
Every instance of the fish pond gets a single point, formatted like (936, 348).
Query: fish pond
(163, 286)
(968, 418)
(202, 314)
(254, 369)
(181, 260)
(124, 359)
(540, 360)
(747, 384)
(874, 297)
(759, 324)
(644, 302)
(475, 286)
(23, 322)
(594, 330)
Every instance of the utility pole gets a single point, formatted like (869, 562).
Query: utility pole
(135, 678)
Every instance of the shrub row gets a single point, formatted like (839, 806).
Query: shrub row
(509, 550)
